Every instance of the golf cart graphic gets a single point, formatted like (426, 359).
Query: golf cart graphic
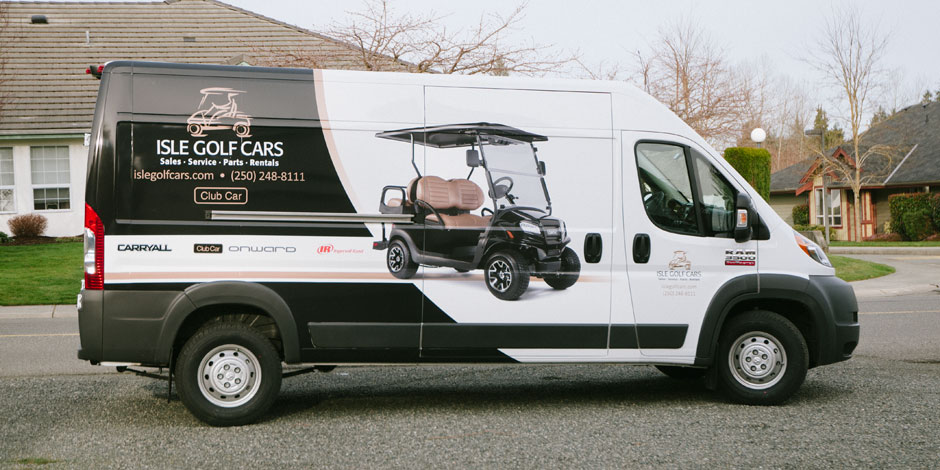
(515, 239)
(218, 110)
(680, 262)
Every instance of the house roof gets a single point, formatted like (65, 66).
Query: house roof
(788, 179)
(43, 83)
(912, 139)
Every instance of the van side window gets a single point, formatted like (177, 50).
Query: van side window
(666, 188)
(718, 198)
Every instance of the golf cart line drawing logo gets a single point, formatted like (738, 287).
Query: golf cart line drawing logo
(218, 110)
(680, 262)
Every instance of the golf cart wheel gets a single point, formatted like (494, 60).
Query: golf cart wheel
(241, 130)
(682, 373)
(762, 358)
(195, 130)
(569, 272)
(228, 374)
(506, 275)
(399, 262)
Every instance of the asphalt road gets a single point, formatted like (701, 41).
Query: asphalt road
(877, 410)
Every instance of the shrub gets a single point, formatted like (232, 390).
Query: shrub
(4, 237)
(900, 205)
(917, 224)
(801, 214)
(27, 225)
(884, 237)
(833, 235)
(754, 165)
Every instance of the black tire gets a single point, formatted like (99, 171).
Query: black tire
(569, 272)
(195, 130)
(506, 274)
(682, 373)
(762, 358)
(399, 262)
(252, 369)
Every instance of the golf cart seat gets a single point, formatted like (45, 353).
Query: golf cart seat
(452, 200)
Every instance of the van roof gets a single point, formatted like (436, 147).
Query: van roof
(458, 135)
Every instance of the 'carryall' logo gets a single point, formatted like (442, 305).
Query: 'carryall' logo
(143, 247)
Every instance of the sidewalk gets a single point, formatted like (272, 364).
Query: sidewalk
(886, 250)
(914, 274)
(39, 311)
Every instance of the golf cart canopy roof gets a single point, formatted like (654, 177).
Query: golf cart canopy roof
(458, 135)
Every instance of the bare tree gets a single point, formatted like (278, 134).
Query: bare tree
(848, 55)
(424, 45)
(689, 73)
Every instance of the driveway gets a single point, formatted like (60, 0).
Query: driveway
(915, 275)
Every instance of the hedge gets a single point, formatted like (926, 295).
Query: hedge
(754, 165)
(801, 214)
(914, 215)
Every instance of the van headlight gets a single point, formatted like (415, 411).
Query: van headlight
(530, 228)
(812, 249)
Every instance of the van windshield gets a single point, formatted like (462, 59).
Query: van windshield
(513, 172)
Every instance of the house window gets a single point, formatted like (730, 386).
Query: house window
(6, 180)
(50, 175)
(835, 207)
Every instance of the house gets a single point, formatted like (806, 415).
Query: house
(47, 100)
(908, 161)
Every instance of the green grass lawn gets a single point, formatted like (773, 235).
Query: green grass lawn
(933, 243)
(851, 269)
(40, 274)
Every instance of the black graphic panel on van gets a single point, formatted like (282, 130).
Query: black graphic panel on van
(173, 175)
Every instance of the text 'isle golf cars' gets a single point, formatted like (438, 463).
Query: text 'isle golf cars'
(511, 241)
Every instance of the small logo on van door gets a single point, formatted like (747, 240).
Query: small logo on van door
(740, 257)
(218, 110)
(680, 262)
(679, 268)
(207, 248)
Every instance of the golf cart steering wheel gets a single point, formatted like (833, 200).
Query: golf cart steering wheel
(501, 190)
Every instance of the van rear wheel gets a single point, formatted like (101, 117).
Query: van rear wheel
(762, 358)
(569, 272)
(506, 275)
(228, 374)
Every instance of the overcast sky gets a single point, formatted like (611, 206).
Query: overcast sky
(607, 30)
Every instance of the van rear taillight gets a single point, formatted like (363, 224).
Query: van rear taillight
(94, 250)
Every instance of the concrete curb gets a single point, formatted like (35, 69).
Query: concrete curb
(886, 250)
(39, 311)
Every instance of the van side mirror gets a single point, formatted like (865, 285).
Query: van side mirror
(473, 158)
(542, 168)
(742, 219)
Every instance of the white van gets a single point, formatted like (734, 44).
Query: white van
(242, 218)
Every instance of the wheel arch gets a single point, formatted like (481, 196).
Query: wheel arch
(786, 295)
(201, 303)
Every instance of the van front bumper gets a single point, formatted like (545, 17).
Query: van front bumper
(839, 302)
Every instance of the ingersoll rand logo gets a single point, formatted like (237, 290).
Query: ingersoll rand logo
(325, 249)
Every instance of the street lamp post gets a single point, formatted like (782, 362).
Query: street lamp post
(825, 190)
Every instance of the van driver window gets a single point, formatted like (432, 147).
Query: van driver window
(665, 187)
(718, 198)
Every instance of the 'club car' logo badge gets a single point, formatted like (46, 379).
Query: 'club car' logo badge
(218, 110)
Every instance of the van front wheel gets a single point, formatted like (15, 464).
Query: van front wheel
(228, 374)
(762, 358)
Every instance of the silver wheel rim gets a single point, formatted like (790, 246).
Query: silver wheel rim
(499, 275)
(396, 258)
(757, 360)
(229, 376)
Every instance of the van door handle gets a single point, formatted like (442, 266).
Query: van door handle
(593, 248)
(641, 248)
